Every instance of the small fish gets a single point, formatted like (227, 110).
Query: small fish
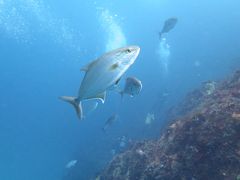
(149, 119)
(102, 74)
(132, 87)
(197, 63)
(236, 115)
(140, 152)
(169, 24)
(110, 121)
(209, 87)
(113, 152)
(71, 164)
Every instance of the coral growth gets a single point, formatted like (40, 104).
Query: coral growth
(202, 144)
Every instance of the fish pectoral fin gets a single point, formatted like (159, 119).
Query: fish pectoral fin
(114, 66)
(115, 86)
(116, 83)
(101, 96)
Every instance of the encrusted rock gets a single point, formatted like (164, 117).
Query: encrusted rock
(203, 144)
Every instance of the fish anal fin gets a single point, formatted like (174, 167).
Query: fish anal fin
(101, 97)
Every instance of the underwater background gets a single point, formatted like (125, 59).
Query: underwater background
(44, 44)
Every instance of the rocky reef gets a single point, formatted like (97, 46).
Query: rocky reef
(203, 143)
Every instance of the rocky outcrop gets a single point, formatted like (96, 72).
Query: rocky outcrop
(203, 144)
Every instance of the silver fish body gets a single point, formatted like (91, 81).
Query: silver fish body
(101, 74)
(133, 86)
(105, 71)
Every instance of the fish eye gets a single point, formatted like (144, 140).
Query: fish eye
(128, 50)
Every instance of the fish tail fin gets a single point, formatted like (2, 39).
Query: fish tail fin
(76, 104)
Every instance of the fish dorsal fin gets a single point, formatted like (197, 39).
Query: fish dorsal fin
(88, 66)
(101, 97)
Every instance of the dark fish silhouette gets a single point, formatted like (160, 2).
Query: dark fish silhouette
(133, 86)
(168, 26)
(110, 121)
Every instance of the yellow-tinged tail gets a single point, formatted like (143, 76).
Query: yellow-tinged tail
(75, 102)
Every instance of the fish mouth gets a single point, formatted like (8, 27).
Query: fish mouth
(130, 50)
(133, 52)
(128, 54)
(135, 49)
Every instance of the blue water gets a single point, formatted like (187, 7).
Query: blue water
(43, 45)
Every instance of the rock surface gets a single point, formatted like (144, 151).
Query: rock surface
(202, 144)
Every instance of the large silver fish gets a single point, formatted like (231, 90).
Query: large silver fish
(169, 24)
(102, 74)
(132, 87)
